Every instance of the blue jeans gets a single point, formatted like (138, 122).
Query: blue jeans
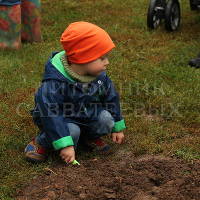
(91, 130)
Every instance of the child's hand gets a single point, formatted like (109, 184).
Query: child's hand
(118, 137)
(68, 154)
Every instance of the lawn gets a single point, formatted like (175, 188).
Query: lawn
(159, 91)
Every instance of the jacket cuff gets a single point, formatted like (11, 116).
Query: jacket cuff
(119, 126)
(63, 142)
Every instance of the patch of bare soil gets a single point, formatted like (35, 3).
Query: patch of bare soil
(141, 178)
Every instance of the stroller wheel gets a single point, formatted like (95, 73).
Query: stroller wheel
(155, 13)
(193, 6)
(172, 15)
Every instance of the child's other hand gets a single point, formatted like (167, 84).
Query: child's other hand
(68, 154)
(118, 137)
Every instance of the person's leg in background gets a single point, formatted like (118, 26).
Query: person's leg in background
(31, 21)
(20, 22)
(10, 25)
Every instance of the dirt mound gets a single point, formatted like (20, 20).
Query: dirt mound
(145, 178)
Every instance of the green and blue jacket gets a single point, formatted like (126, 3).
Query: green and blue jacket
(60, 99)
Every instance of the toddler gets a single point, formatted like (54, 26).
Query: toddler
(77, 102)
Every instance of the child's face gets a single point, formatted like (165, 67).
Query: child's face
(95, 67)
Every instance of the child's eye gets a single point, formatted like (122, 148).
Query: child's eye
(103, 58)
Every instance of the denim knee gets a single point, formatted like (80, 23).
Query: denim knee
(74, 132)
(104, 125)
(106, 119)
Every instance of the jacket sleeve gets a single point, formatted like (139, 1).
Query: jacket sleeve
(49, 101)
(111, 102)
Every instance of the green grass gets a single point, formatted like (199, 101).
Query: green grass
(159, 92)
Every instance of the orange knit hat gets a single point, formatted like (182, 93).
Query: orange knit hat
(84, 42)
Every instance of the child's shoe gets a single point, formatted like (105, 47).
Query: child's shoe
(195, 62)
(35, 153)
(98, 145)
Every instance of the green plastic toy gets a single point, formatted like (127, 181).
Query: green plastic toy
(75, 162)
